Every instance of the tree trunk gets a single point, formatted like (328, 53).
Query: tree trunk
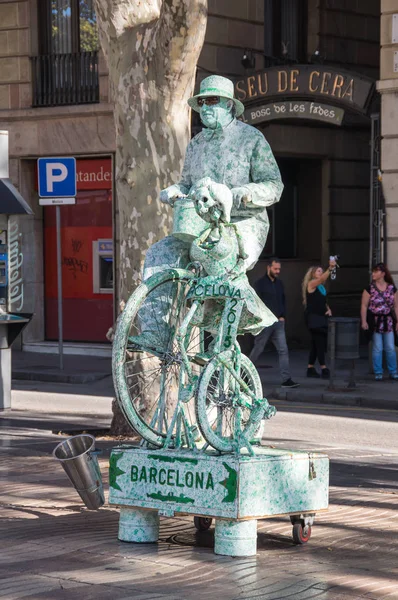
(152, 48)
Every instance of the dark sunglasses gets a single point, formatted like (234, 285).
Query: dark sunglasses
(209, 101)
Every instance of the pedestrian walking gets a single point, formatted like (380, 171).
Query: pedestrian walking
(316, 315)
(379, 309)
(271, 291)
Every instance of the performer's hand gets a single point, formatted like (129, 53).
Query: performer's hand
(170, 194)
(365, 326)
(241, 197)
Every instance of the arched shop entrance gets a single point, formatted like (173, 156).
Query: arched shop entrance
(316, 118)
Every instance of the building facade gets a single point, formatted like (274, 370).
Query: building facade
(388, 88)
(306, 72)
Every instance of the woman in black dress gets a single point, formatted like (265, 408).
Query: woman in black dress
(316, 313)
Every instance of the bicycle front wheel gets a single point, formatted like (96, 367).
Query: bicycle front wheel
(224, 406)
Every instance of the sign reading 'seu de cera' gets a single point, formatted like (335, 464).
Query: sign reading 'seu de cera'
(319, 82)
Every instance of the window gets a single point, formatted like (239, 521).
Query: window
(66, 70)
(285, 30)
(68, 26)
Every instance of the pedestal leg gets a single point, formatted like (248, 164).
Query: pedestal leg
(235, 538)
(138, 525)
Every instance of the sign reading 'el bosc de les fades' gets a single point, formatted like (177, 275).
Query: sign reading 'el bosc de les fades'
(319, 82)
(294, 110)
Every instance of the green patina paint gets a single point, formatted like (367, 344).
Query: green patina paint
(172, 477)
(114, 470)
(230, 484)
(218, 290)
(171, 459)
(170, 497)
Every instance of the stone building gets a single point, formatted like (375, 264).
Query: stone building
(388, 88)
(306, 71)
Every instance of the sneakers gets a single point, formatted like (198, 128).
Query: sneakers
(379, 377)
(312, 372)
(289, 383)
(394, 376)
(325, 373)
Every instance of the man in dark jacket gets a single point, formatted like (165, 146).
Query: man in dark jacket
(270, 289)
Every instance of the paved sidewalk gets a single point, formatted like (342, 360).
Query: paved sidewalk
(367, 393)
(37, 366)
(85, 387)
(55, 549)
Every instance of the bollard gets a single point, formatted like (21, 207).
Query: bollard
(76, 455)
(138, 525)
(343, 344)
(235, 538)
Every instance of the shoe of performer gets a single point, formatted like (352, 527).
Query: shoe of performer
(325, 373)
(394, 376)
(312, 372)
(289, 383)
(379, 377)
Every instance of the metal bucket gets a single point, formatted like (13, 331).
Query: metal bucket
(187, 224)
(81, 466)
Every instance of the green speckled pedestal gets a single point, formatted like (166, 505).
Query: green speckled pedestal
(231, 487)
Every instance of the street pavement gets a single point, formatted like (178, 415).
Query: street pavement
(85, 385)
(53, 548)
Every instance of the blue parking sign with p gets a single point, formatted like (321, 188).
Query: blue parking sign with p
(57, 177)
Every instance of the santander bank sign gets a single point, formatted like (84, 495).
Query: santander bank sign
(94, 174)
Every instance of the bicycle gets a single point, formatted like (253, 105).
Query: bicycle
(215, 396)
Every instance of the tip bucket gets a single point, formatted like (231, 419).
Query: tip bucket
(82, 468)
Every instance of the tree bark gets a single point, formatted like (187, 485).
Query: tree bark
(151, 48)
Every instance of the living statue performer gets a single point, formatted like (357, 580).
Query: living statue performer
(229, 152)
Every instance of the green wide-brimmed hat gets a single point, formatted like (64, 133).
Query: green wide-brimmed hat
(215, 85)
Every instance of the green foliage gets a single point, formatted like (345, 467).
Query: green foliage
(88, 36)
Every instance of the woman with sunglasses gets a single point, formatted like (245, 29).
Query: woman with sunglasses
(379, 308)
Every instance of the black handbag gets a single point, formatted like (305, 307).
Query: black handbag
(315, 321)
(394, 324)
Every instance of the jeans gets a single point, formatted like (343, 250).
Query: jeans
(386, 341)
(276, 334)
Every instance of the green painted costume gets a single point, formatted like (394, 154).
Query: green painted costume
(237, 155)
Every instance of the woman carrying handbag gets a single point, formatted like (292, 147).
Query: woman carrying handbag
(379, 308)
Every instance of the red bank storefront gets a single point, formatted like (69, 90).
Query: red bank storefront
(87, 257)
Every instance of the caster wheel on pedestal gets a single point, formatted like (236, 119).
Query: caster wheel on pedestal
(202, 523)
(301, 534)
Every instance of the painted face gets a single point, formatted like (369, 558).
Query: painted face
(217, 116)
(318, 272)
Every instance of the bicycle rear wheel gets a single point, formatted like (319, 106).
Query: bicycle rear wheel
(224, 408)
(146, 361)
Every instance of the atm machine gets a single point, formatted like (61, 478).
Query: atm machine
(11, 323)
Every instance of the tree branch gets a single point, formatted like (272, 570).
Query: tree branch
(119, 16)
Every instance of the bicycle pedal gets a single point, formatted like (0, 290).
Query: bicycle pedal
(201, 359)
